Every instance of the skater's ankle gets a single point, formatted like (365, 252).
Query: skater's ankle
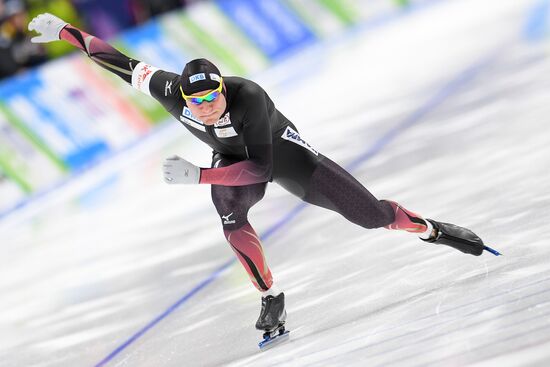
(430, 232)
(273, 291)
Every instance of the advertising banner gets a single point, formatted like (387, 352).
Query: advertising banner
(226, 40)
(25, 161)
(117, 112)
(324, 20)
(154, 45)
(39, 100)
(270, 24)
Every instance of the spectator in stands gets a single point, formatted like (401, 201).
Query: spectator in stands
(143, 10)
(16, 50)
(105, 18)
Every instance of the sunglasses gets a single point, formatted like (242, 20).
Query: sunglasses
(208, 97)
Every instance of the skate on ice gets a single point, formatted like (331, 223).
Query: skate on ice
(272, 321)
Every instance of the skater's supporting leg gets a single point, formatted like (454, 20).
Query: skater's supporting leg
(273, 313)
(247, 247)
(233, 204)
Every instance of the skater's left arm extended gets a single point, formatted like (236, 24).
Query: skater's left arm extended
(52, 28)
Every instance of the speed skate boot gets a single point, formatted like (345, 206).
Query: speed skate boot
(456, 237)
(273, 315)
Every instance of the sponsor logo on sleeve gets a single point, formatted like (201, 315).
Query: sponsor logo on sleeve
(215, 77)
(291, 135)
(141, 77)
(145, 71)
(196, 78)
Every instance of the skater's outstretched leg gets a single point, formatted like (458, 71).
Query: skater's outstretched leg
(324, 183)
(333, 188)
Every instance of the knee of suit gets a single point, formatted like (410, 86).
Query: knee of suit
(233, 203)
(232, 214)
(233, 221)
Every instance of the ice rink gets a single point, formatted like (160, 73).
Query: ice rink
(445, 109)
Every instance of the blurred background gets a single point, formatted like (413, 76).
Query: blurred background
(43, 144)
(441, 105)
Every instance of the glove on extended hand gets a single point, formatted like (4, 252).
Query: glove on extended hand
(49, 26)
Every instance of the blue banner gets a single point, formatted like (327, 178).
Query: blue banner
(538, 22)
(274, 28)
(45, 107)
(153, 45)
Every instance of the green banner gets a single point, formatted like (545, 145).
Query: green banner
(24, 159)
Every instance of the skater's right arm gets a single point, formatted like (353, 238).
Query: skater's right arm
(134, 72)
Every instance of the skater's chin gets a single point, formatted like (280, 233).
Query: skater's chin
(210, 119)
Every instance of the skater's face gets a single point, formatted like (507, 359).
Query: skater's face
(207, 105)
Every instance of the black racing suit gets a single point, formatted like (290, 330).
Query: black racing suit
(252, 143)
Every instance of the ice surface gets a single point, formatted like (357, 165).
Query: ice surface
(451, 106)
